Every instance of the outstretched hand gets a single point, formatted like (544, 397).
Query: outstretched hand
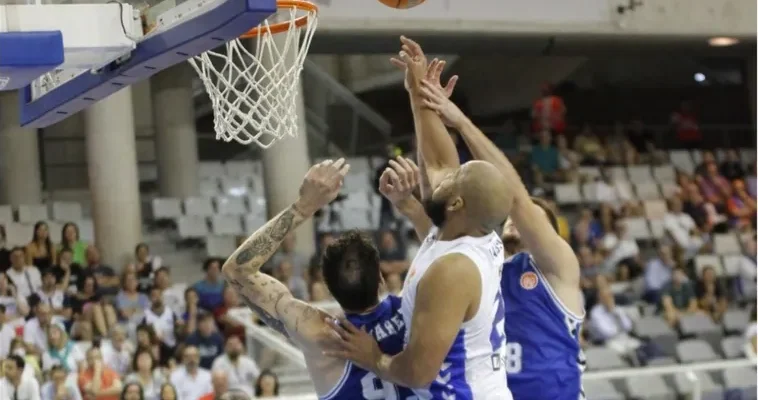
(399, 180)
(413, 60)
(321, 185)
(356, 345)
(435, 98)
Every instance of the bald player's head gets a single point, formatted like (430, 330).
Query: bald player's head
(473, 198)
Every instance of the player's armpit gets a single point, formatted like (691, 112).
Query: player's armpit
(448, 293)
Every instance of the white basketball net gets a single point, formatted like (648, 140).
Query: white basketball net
(253, 85)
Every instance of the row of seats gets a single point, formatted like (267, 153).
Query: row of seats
(587, 193)
(18, 234)
(31, 213)
(686, 160)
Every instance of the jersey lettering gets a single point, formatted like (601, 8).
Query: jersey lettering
(513, 356)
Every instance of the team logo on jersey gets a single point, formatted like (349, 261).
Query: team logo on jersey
(529, 280)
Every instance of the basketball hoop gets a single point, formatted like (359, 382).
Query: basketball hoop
(253, 85)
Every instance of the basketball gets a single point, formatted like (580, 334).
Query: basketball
(401, 4)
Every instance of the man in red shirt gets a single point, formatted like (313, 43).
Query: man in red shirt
(548, 112)
(686, 126)
(98, 381)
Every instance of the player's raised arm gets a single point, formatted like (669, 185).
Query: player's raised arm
(553, 255)
(436, 321)
(433, 141)
(397, 184)
(268, 297)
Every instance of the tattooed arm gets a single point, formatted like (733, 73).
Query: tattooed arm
(269, 298)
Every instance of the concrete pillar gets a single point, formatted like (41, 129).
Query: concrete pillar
(175, 133)
(284, 166)
(20, 180)
(113, 182)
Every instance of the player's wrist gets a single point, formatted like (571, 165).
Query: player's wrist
(304, 208)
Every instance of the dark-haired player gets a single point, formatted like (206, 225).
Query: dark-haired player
(351, 271)
(544, 306)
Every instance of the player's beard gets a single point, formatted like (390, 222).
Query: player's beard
(435, 210)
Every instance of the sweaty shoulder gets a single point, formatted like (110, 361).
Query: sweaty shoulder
(454, 274)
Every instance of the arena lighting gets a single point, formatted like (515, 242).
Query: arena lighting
(699, 77)
(722, 41)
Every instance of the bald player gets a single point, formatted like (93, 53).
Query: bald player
(451, 304)
(540, 279)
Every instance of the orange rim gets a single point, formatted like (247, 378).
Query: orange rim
(284, 26)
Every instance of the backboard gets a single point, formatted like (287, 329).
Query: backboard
(63, 68)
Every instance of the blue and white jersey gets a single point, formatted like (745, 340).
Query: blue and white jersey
(543, 357)
(386, 325)
(474, 368)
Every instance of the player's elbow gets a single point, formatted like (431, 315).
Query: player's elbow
(423, 374)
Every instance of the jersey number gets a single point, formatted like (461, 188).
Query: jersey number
(376, 389)
(513, 355)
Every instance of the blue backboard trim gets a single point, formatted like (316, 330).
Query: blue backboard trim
(204, 32)
(19, 65)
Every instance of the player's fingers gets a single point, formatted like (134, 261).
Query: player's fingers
(394, 178)
(384, 180)
(397, 62)
(348, 325)
(344, 170)
(431, 105)
(336, 354)
(417, 51)
(407, 58)
(335, 166)
(401, 173)
(430, 93)
(439, 69)
(335, 324)
(407, 169)
(431, 68)
(451, 84)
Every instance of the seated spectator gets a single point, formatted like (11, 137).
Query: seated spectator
(10, 328)
(732, 168)
(107, 281)
(146, 373)
(15, 384)
(219, 386)
(210, 289)
(544, 160)
(15, 305)
(132, 391)
(740, 206)
(5, 254)
(98, 381)
(240, 368)
(746, 283)
(164, 322)
(191, 310)
(591, 150)
(129, 301)
(50, 293)
(87, 303)
(70, 241)
(658, 272)
(643, 141)
(751, 337)
(145, 265)
(392, 256)
(168, 392)
(619, 149)
(59, 387)
(568, 160)
(206, 338)
(267, 385)
(26, 278)
(681, 229)
(117, 352)
(707, 158)
(35, 329)
(706, 216)
(61, 351)
(284, 272)
(227, 324)
(192, 381)
(587, 230)
(289, 251)
(148, 340)
(319, 292)
(678, 298)
(712, 185)
(623, 253)
(711, 294)
(173, 294)
(611, 325)
(67, 273)
(40, 252)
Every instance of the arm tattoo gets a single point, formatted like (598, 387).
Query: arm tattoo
(264, 242)
(267, 318)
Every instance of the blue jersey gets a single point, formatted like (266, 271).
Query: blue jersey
(543, 356)
(386, 325)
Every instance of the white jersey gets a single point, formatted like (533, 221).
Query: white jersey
(474, 368)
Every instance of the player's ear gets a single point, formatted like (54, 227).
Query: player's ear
(456, 205)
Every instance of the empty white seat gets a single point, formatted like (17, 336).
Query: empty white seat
(226, 225)
(360, 165)
(682, 160)
(601, 358)
(567, 193)
(230, 205)
(256, 184)
(210, 169)
(747, 155)
(356, 219)
(669, 189)
(199, 206)
(220, 246)
(624, 190)
(648, 387)
(733, 346)
(6, 214)
(18, 234)
(697, 156)
(637, 228)
(726, 243)
(617, 173)
(66, 211)
(357, 183)
(235, 186)
(695, 350)
(55, 229)
(733, 264)
(253, 222)
(238, 168)
(589, 192)
(86, 230)
(640, 174)
(208, 187)
(192, 226)
(684, 385)
(708, 260)
(166, 208)
(357, 201)
(740, 378)
(655, 209)
(647, 191)
(596, 389)
(698, 324)
(256, 204)
(735, 321)
(589, 173)
(664, 173)
(656, 228)
(31, 213)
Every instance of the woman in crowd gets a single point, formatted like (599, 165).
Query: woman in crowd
(129, 301)
(147, 374)
(145, 264)
(86, 303)
(148, 340)
(15, 305)
(70, 240)
(62, 351)
(711, 294)
(267, 385)
(40, 251)
(132, 391)
(168, 392)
